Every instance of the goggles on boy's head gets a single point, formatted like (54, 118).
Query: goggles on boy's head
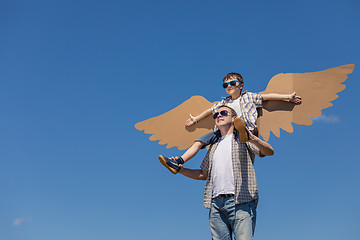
(223, 113)
(231, 83)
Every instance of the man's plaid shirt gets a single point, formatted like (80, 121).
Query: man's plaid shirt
(249, 102)
(243, 157)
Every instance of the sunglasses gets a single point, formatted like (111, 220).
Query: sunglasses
(231, 83)
(223, 113)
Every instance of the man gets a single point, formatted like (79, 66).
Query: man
(231, 190)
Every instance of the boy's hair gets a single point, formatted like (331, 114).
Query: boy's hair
(232, 76)
(233, 112)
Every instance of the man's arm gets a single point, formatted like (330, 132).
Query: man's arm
(281, 97)
(265, 148)
(197, 174)
(194, 119)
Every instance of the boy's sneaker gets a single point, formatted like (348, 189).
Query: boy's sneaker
(170, 164)
(241, 128)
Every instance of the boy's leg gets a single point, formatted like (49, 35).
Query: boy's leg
(172, 164)
(192, 151)
(241, 128)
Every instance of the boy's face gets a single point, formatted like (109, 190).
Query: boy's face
(233, 90)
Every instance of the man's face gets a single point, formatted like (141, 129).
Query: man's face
(232, 90)
(223, 117)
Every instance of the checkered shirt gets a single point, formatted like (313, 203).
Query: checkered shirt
(249, 102)
(243, 157)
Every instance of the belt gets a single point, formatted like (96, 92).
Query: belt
(225, 195)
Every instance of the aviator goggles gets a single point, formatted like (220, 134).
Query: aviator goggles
(223, 113)
(231, 83)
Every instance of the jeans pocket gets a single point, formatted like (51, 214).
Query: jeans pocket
(243, 211)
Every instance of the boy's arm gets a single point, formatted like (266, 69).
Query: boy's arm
(197, 174)
(282, 97)
(194, 119)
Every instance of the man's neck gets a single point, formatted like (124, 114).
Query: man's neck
(226, 130)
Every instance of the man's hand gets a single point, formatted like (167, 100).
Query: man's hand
(295, 99)
(251, 136)
(265, 148)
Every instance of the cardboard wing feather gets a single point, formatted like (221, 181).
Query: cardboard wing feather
(170, 128)
(317, 90)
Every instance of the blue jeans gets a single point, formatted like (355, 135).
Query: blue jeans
(227, 218)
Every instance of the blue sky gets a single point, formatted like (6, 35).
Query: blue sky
(75, 76)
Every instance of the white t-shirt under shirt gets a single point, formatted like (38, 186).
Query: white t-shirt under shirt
(222, 168)
(235, 104)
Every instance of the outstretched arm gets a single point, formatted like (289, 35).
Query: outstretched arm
(282, 97)
(194, 119)
(197, 174)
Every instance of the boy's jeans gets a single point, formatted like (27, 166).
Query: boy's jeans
(209, 138)
(226, 219)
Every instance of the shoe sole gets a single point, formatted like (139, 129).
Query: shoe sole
(163, 162)
(241, 128)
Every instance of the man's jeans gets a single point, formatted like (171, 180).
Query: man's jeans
(226, 219)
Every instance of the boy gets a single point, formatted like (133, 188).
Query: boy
(245, 104)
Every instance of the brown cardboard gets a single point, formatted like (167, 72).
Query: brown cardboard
(170, 128)
(317, 90)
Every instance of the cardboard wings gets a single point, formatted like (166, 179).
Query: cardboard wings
(317, 90)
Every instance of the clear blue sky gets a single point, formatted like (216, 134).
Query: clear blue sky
(75, 76)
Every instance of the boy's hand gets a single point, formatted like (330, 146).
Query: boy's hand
(192, 120)
(294, 99)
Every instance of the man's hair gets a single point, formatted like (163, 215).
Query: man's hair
(232, 111)
(232, 75)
